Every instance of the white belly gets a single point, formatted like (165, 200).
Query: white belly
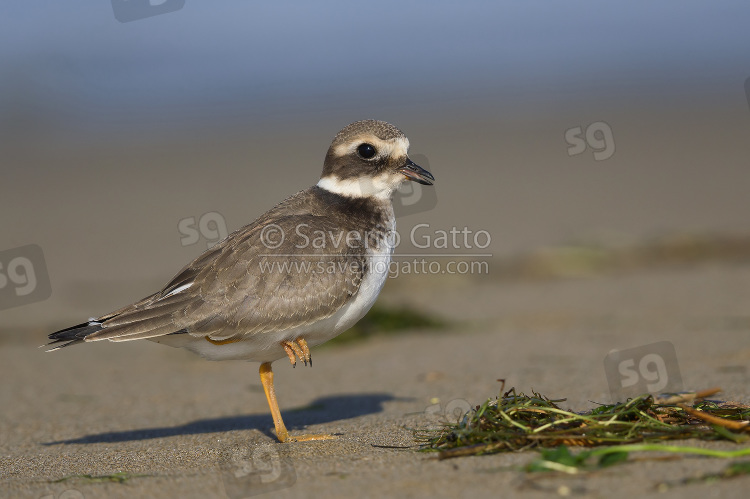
(372, 283)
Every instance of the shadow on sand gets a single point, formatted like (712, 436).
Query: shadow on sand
(322, 410)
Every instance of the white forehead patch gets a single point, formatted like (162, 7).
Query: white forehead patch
(394, 148)
(380, 186)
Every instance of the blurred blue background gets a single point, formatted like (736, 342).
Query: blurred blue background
(71, 65)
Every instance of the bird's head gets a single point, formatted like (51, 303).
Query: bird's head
(369, 159)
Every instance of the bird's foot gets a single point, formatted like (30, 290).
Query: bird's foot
(309, 437)
(297, 349)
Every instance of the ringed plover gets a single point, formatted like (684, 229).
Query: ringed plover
(268, 291)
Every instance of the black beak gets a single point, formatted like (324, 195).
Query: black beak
(414, 172)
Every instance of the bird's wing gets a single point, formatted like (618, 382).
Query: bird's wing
(246, 285)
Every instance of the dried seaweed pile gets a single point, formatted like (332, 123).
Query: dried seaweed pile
(517, 421)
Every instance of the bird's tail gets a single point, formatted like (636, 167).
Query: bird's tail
(73, 335)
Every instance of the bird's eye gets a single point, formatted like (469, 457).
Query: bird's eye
(367, 151)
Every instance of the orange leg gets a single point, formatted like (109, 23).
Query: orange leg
(266, 378)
